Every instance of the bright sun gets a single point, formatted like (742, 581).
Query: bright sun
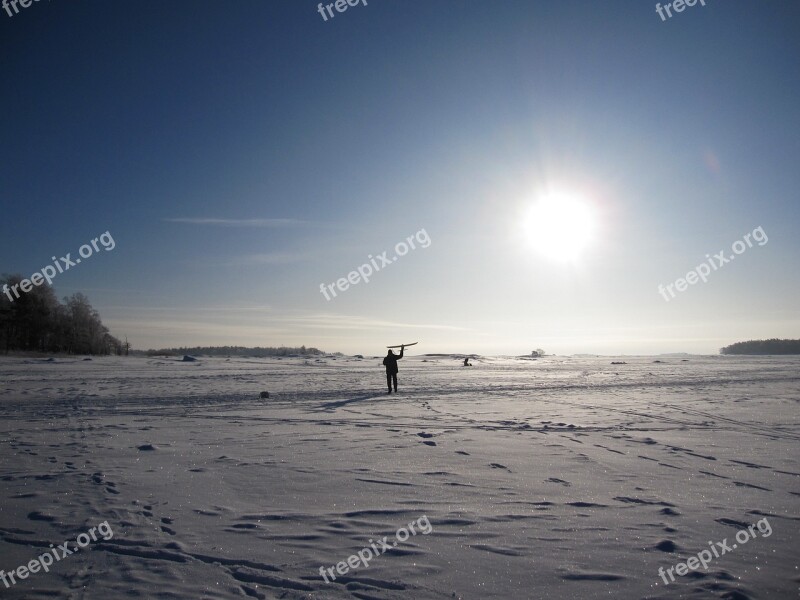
(560, 225)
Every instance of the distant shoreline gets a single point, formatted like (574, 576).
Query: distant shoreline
(771, 347)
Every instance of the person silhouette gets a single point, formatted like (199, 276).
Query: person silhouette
(390, 362)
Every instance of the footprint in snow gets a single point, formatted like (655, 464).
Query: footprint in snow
(561, 481)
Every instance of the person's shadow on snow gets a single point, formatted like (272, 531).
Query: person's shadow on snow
(331, 406)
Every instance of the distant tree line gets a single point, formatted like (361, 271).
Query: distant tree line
(772, 346)
(257, 352)
(38, 322)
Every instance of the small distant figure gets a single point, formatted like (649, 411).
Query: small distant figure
(390, 362)
(265, 394)
(466, 362)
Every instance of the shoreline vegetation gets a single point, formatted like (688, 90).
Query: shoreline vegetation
(240, 351)
(38, 322)
(763, 347)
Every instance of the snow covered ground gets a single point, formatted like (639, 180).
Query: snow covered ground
(555, 478)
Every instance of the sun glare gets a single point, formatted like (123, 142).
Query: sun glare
(560, 226)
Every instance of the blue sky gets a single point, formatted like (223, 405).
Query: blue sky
(241, 153)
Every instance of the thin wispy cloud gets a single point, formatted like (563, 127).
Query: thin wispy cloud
(256, 325)
(199, 332)
(272, 258)
(236, 222)
(185, 309)
(330, 321)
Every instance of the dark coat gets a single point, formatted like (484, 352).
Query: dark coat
(390, 362)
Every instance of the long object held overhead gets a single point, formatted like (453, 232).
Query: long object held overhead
(406, 345)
